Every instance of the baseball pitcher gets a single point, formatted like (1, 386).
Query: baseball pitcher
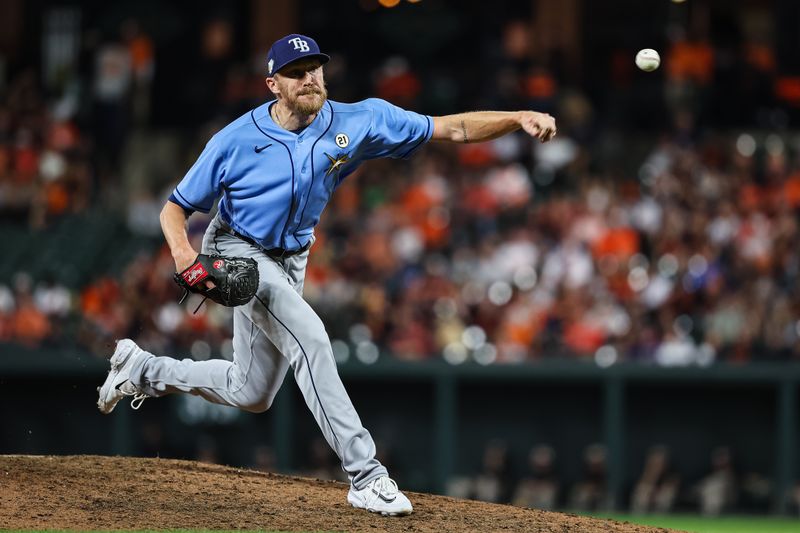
(273, 170)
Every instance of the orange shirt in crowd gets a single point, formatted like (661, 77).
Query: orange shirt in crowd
(690, 61)
(29, 325)
(400, 89)
(97, 298)
(621, 243)
(540, 85)
(57, 197)
(791, 190)
(26, 164)
(521, 324)
(583, 337)
(142, 51)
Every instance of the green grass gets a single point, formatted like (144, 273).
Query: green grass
(692, 523)
(724, 524)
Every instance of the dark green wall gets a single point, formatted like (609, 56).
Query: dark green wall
(434, 420)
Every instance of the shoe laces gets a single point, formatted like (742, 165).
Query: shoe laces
(387, 484)
(129, 389)
(138, 400)
(382, 488)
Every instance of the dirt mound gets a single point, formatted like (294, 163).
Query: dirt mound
(104, 493)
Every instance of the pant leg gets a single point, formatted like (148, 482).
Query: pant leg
(249, 382)
(297, 331)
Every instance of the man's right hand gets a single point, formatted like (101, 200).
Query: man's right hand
(184, 258)
(173, 224)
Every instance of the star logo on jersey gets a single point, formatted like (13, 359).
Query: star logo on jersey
(336, 163)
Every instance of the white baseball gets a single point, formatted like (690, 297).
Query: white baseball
(648, 59)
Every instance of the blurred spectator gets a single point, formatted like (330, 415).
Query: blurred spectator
(28, 324)
(204, 84)
(755, 493)
(538, 488)
(657, 487)
(113, 81)
(7, 305)
(493, 483)
(690, 60)
(718, 491)
(396, 83)
(794, 498)
(591, 493)
(143, 214)
(141, 51)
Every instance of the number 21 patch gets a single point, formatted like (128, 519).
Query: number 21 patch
(342, 140)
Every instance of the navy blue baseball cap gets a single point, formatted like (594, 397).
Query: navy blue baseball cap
(291, 48)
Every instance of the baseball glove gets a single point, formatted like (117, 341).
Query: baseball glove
(235, 279)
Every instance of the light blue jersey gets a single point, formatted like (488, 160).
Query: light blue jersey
(273, 184)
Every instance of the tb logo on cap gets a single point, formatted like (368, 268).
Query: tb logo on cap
(299, 44)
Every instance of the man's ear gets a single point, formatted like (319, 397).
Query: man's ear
(272, 86)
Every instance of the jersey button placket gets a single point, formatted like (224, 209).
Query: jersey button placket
(301, 188)
(304, 179)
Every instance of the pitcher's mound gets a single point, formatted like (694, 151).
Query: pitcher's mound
(103, 493)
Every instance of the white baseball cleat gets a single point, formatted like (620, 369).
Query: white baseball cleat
(381, 495)
(117, 384)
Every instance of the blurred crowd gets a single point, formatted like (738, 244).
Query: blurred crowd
(45, 159)
(658, 488)
(677, 247)
(459, 254)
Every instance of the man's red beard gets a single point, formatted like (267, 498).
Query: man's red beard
(306, 105)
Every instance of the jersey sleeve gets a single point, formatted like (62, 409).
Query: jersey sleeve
(202, 184)
(395, 132)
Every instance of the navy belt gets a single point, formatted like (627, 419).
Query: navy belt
(275, 253)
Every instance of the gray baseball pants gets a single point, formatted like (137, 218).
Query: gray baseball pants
(276, 330)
